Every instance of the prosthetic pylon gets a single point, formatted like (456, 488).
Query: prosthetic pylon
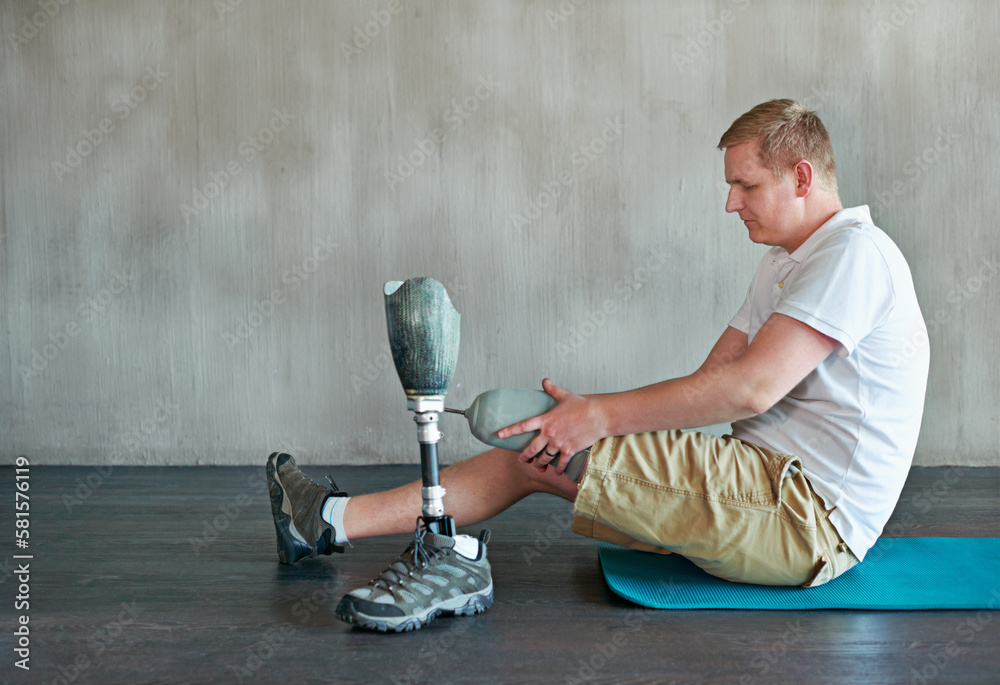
(423, 337)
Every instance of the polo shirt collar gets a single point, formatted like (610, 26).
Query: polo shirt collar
(852, 216)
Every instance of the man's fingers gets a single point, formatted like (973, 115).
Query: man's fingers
(553, 390)
(534, 450)
(525, 426)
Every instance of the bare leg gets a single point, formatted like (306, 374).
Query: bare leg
(478, 488)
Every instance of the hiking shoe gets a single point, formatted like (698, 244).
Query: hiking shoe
(297, 507)
(436, 575)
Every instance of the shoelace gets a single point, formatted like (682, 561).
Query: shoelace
(423, 552)
(333, 486)
(421, 556)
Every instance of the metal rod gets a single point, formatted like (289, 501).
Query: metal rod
(429, 464)
(425, 409)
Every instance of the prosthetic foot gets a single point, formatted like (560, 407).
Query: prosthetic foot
(436, 575)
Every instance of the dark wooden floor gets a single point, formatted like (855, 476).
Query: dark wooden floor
(169, 575)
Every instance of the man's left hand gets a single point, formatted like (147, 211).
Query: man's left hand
(574, 424)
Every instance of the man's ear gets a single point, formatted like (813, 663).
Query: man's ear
(803, 178)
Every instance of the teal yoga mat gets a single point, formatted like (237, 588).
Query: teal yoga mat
(897, 573)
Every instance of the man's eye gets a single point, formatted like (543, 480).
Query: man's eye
(749, 187)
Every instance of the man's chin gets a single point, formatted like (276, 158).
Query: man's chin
(760, 238)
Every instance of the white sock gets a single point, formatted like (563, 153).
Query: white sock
(333, 513)
(467, 546)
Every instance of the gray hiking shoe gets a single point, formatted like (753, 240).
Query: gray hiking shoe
(297, 508)
(434, 576)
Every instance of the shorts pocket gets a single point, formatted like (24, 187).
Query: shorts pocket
(794, 500)
(780, 468)
(821, 573)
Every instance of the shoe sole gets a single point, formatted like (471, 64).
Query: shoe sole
(292, 547)
(464, 605)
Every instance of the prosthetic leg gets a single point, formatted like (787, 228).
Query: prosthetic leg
(423, 337)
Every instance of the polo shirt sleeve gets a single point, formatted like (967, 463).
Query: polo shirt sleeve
(741, 321)
(843, 289)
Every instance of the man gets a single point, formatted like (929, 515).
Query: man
(825, 408)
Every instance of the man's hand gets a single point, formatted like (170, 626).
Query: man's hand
(574, 424)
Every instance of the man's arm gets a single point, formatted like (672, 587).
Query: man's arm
(729, 386)
(729, 347)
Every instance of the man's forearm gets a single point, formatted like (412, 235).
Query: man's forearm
(707, 397)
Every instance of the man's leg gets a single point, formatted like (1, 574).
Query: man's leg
(439, 574)
(738, 511)
(312, 519)
(477, 488)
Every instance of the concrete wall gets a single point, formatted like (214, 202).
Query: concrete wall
(201, 202)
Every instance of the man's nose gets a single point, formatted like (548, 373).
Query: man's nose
(733, 200)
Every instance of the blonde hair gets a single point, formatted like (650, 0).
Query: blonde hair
(786, 132)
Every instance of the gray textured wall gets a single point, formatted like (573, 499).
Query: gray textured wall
(201, 202)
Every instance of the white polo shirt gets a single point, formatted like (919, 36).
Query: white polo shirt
(854, 420)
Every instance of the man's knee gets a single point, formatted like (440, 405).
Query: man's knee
(549, 481)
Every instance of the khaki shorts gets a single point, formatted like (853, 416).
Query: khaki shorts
(738, 511)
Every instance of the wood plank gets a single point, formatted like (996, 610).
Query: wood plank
(169, 575)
